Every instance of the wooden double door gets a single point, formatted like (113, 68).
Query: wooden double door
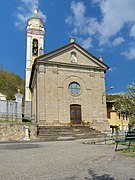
(75, 114)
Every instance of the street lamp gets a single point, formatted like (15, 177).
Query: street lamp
(105, 92)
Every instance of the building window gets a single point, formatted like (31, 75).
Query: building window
(119, 115)
(74, 88)
(35, 47)
(109, 115)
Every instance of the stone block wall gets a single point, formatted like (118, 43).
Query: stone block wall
(11, 132)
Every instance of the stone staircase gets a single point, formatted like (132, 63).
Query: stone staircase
(53, 133)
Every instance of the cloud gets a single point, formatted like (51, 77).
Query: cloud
(115, 16)
(112, 69)
(100, 50)
(77, 20)
(24, 12)
(129, 54)
(85, 43)
(132, 31)
(117, 93)
(117, 41)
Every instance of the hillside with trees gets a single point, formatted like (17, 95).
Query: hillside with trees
(10, 83)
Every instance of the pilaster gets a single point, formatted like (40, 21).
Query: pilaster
(41, 110)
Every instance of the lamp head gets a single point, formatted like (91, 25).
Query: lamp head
(112, 87)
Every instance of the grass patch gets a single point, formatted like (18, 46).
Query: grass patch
(16, 122)
(26, 120)
(130, 152)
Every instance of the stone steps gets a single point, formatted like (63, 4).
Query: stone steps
(67, 132)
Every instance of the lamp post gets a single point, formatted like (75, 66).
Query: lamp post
(105, 93)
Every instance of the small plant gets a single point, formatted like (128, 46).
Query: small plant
(130, 151)
(85, 123)
(25, 119)
(15, 122)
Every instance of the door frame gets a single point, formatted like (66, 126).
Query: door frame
(75, 121)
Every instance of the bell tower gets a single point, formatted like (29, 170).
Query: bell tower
(35, 44)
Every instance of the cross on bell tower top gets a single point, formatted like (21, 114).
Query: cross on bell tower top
(36, 14)
(35, 11)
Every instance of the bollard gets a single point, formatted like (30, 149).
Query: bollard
(27, 133)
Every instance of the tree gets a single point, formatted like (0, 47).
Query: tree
(131, 93)
(10, 83)
(125, 104)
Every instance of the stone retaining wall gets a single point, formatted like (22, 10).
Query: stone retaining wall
(10, 132)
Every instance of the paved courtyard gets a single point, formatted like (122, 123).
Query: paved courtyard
(63, 160)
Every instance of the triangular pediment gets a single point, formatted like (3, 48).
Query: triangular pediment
(66, 53)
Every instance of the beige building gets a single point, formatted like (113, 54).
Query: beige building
(118, 122)
(3, 97)
(66, 86)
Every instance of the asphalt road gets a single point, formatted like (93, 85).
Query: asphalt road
(63, 160)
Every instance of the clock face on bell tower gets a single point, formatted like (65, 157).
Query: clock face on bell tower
(35, 23)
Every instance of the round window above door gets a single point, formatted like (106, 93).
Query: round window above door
(74, 88)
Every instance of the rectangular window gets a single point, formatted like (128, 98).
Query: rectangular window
(119, 115)
(109, 115)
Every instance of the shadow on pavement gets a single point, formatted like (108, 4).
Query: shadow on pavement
(19, 146)
(95, 176)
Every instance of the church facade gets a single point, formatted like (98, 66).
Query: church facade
(67, 86)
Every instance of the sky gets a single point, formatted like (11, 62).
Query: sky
(102, 27)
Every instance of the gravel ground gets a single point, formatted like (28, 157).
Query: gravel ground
(63, 160)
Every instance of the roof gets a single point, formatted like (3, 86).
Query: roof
(44, 57)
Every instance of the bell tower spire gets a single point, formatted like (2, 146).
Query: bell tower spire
(35, 33)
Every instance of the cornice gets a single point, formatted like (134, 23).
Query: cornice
(69, 65)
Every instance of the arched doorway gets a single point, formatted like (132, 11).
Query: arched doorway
(75, 114)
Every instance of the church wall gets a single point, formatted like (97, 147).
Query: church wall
(54, 98)
(99, 107)
(90, 97)
(66, 77)
(51, 95)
